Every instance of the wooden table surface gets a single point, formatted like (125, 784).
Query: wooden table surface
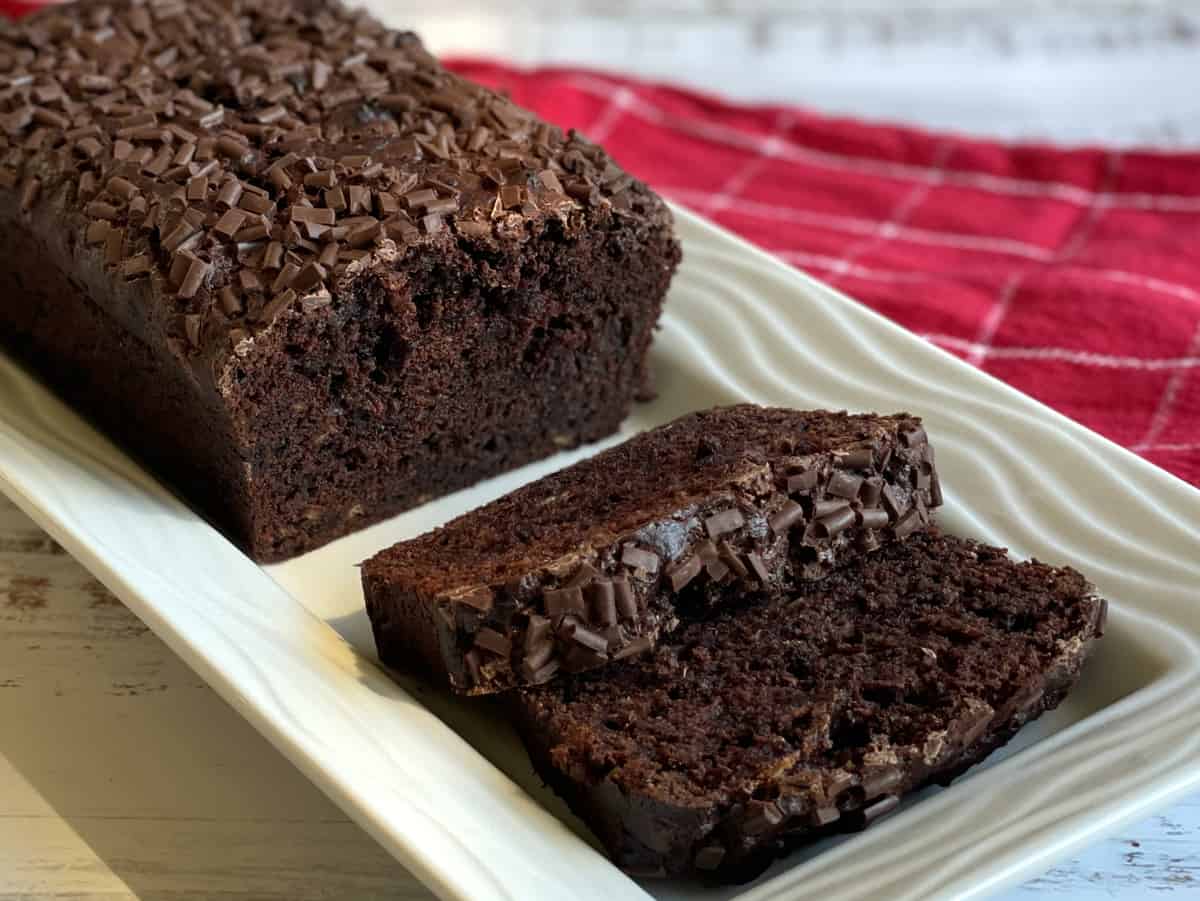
(123, 776)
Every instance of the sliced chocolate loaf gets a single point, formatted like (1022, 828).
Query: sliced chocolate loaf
(594, 563)
(305, 273)
(803, 714)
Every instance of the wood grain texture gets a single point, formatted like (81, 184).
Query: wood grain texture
(122, 776)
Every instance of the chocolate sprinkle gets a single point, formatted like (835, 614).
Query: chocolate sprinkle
(565, 600)
(636, 557)
(479, 597)
(537, 631)
(907, 525)
(831, 525)
(589, 639)
(844, 484)
(471, 658)
(802, 481)
(827, 507)
(859, 458)
(786, 517)
(761, 816)
(625, 601)
(682, 573)
(724, 522)
(759, 568)
(709, 858)
(873, 519)
(639, 645)
(491, 640)
(870, 491)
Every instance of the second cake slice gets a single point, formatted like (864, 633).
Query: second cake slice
(593, 563)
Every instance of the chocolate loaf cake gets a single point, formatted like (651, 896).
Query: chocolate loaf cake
(799, 715)
(301, 270)
(593, 563)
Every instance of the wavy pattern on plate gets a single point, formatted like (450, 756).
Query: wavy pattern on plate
(739, 326)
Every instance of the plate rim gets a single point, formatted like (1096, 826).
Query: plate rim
(427, 856)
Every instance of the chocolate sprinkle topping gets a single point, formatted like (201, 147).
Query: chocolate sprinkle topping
(724, 522)
(683, 572)
(786, 517)
(307, 114)
(565, 600)
(632, 555)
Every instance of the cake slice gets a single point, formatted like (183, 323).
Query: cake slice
(594, 563)
(804, 714)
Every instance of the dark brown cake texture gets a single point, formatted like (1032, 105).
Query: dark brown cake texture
(304, 272)
(802, 715)
(595, 562)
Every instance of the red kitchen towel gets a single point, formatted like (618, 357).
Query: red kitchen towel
(1073, 275)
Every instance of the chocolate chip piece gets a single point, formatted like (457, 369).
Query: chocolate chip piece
(709, 857)
(639, 645)
(479, 596)
(731, 559)
(828, 526)
(879, 809)
(968, 730)
(542, 674)
(873, 519)
(786, 517)
(588, 638)
(858, 458)
(880, 781)
(537, 630)
(761, 816)
(824, 815)
(636, 557)
(491, 640)
(724, 522)
(845, 485)
(135, 266)
(871, 491)
(681, 573)
(473, 661)
(802, 481)
(561, 601)
(914, 437)
(828, 507)
(935, 489)
(907, 525)
(196, 274)
(625, 601)
(602, 598)
(539, 654)
(1098, 619)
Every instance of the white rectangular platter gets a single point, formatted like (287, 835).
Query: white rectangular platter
(443, 784)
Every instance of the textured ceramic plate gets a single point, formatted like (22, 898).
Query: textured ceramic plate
(444, 784)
